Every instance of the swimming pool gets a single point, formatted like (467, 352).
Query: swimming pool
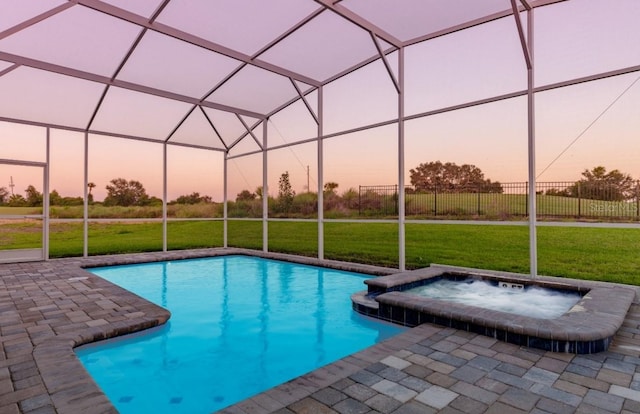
(239, 326)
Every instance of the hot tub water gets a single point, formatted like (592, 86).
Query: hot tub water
(532, 301)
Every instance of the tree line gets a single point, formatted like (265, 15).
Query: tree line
(451, 178)
(120, 192)
(435, 176)
(598, 184)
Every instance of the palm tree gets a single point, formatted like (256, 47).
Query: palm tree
(91, 186)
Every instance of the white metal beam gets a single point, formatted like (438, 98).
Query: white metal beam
(401, 148)
(215, 130)
(531, 140)
(476, 22)
(320, 154)
(526, 50)
(304, 100)
(9, 69)
(360, 22)
(46, 198)
(63, 70)
(85, 212)
(396, 84)
(23, 163)
(225, 190)
(265, 190)
(190, 38)
(164, 197)
(497, 98)
(179, 124)
(250, 132)
(453, 29)
(115, 74)
(34, 20)
(525, 4)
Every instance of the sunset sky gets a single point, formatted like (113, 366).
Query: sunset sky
(602, 117)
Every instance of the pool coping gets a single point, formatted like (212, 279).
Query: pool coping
(588, 327)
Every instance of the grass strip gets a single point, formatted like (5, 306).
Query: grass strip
(605, 254)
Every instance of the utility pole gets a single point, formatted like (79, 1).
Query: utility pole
(11, 184)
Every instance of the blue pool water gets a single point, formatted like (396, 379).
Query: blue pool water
(239, 326)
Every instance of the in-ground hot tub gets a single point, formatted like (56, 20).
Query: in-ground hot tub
(586, 327)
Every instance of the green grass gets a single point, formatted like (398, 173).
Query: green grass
(21, 234)
(109, 238)
(606, 254)
(20, 211)
(122, 238)
(370, 243)
(294, 237)
(246, 234)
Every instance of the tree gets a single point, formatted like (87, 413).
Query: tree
(91, 186)
(4, 195)
(285, 193)
(259, 192)
(55, 199)
(17, 200)
(34, 197)
(330, 187)
(193, 198)
(451, 178)
(245, 195)
(598, 184)
(125, 193)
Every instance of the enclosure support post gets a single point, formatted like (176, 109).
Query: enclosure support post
(164, 196)
(265, 192)
(533, 241)
(224, 195)
(320, 177)
(45, 199)
(85, 218)
(527, 50)
(401, 195)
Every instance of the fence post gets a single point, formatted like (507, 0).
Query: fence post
(435, 200)
(359, 200)
(478, 191)
(638, 198)
(579, 200)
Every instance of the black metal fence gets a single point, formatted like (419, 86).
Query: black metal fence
(554, 200)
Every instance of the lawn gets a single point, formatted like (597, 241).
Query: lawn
(607, 254)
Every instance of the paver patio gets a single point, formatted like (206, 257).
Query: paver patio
(47, 308)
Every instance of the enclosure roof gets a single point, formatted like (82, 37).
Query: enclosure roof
(195, 72)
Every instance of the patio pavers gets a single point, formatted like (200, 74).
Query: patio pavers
(47, 308)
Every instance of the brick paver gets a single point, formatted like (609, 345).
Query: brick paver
(47, 308)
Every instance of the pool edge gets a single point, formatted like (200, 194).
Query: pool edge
(70, 386)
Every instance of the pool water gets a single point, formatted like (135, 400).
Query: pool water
(239, 326)
(532, 301)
